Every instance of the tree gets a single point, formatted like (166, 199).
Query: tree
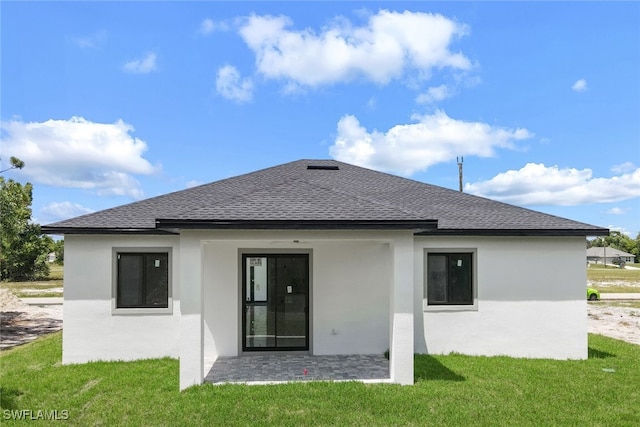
(58, 249)
(16, 163)
(23, 247)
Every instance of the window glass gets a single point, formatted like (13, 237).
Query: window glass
(143, 280)
(460, 279)
(449, 279)
(157, 279)
(437, 289)
(130, 279)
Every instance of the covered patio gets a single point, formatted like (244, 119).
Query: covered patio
(280, 368)
(357, 290)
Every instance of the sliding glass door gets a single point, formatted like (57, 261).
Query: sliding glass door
(275, 297)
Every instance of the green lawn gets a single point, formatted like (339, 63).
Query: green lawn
(627, 304)
(626, 280)
(450, 390)
(42, 287)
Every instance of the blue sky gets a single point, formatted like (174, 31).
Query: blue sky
(111, 102)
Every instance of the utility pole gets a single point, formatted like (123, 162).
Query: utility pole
(460, 160)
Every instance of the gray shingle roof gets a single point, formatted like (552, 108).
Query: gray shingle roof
(598, 251)
(293, 196)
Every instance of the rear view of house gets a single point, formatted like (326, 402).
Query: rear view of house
(326, 258)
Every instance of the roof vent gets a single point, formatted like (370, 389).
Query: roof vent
(323, 167)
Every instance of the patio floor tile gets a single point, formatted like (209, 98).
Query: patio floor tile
(298, 367)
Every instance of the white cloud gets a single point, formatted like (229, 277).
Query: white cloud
(579, 85)
(143, 65)
(537, 184)
(78, 153)
(389, 46)
(193, 183)
(617, 211)
(621, 230)
(208, 26)
(434, 94)
(232, 86)
(92, 41)
(409, 148)
(623, 167)
(57, 211)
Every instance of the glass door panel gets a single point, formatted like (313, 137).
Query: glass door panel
(292, 289)
(275, 302)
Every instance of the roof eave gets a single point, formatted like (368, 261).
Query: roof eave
(93, 230)
(561, 232)
(298, 225)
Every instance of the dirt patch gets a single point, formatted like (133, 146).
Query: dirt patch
(21, 323)
(608, 283)
(621, 323)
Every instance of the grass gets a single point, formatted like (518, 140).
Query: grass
(626, 304)
(38, 288)
(612, 279)
(449, 390)
(617, 289)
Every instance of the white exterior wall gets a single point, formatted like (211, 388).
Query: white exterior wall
(351, 285)
(530, 299)
(91, 331)
(191, 348)
(402, 347)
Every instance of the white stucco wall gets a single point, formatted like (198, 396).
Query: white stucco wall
(530, 299)
(90, 330)
(351, 288)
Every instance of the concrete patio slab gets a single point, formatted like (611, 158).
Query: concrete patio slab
(272, 369)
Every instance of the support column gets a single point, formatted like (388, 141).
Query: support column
(191, 327)
(401, 354)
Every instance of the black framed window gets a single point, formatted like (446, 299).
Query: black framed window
(143, 280)
(450, 279)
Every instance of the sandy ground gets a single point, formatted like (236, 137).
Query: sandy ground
(608, 319)
(21, 323)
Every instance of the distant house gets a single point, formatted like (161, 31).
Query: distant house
(600, 255)
(326, 258)
(51, 257)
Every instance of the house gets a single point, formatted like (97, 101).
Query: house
(326, 258)
(597, 255)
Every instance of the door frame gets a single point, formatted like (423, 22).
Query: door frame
(266, 252)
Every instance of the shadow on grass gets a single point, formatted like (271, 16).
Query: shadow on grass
(428, 368)
(8, 398)
(27, 282)
(599, 354)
